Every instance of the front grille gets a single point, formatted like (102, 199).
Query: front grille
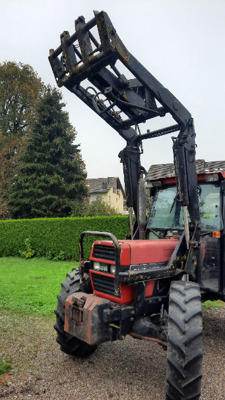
(103, 284)
(104, 252)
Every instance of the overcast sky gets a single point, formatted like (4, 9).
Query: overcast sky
(181, 42)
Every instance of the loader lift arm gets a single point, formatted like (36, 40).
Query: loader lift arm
(124, 103)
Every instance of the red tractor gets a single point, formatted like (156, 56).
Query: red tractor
(151, 284)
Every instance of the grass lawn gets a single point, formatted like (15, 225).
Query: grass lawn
(212, 303)
(31, 286)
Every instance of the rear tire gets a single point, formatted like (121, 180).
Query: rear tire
(69, 344)
(184, 354)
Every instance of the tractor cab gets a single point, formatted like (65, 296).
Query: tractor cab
(166, 217)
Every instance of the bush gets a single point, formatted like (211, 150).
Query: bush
(56, 237)
(94, 209)
(29, 252)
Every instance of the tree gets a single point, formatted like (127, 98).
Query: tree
(51, 174)
(7, 169)
(20, 88)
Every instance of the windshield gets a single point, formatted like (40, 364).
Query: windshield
(166, 212)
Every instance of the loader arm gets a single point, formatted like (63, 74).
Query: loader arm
(124, 102)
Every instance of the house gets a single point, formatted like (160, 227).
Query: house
(108, 190)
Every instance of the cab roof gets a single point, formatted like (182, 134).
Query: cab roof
(162, 171)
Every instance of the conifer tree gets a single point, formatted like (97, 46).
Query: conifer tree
(51, 174)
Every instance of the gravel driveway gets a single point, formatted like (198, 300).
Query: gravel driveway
(122, 370)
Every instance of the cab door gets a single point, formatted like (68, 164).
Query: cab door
(211, 209)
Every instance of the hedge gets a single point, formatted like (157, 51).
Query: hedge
(56, 237)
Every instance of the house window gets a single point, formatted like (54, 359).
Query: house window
(99, 197)
(114, 190)
(92, 198)
(109, 199)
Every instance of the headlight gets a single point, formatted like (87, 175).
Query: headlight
(112, 269)
(212, 178)
(96, 266)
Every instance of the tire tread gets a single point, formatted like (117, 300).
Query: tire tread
(184, 359)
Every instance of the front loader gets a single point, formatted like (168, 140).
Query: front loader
(148, 285)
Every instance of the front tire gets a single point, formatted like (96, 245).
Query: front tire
(69, 344)
(184, 354)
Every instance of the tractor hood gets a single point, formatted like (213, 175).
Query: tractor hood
(134, 252)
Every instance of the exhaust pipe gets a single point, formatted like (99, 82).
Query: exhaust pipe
(141, 214)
